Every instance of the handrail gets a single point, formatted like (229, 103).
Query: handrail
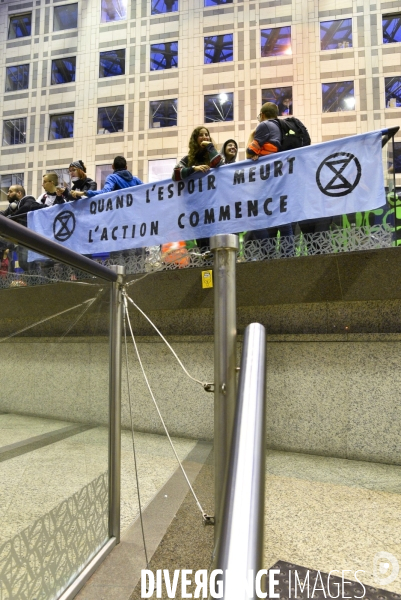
(240, 544)
(33, 241)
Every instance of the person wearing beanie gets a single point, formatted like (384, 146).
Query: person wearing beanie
(119, 180)
(80, 182)
(229, 151)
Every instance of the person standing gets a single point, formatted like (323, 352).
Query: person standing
(265, 140)
(201, 157)
(120, 179)
(52, 194)
(229, 151)
(80, 181)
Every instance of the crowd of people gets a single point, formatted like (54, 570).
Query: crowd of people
(202, 156)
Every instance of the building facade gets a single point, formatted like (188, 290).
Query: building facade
(96, 78)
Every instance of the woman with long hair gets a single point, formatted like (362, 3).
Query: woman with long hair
(202, 155)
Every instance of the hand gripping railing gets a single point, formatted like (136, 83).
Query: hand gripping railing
(240, 539)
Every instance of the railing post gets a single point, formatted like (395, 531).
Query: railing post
(224, 247)
(116, 322)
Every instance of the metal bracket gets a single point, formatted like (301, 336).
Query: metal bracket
(208, 387)
(208, 520)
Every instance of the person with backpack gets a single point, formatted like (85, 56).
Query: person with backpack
(266, 139)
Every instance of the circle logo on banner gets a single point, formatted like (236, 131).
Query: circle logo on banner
(338, 174)
(64, 226)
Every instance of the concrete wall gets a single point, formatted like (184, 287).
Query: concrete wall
(332, 395)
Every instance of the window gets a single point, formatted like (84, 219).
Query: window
(276, 41)
(280, 96)
(14, 132)
(163, 56)
(17, 78)
(219, 48)
(338, 96)
(336, 34)
(7, 181)
(391, 28)
(19, 26)
(65, 17)
(63, 70)
(393, 92)
(112, 63)
(103, 171)
(163, 6)
(110, 119)
(61, 126)
(160, 169)
(114, 10)
(216, 2)
(163, 113)
(219, 107)
(393, 158)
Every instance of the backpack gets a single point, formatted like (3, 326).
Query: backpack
(294, 133)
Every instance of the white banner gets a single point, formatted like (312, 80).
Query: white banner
(332, 178)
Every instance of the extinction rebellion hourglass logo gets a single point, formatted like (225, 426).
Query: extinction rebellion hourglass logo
(64, 226)
(338, 174)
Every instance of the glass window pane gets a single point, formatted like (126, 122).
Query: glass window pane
(163, 6)
(61, 126)
(338, 96)
(163, 113)
(112, 63)
(276, 41)
(114, 10)
(163, 56)
(63, 70)
(102, 171)
(14, 132)
(393, 92)
(391, 28)
(65, 17)
(397, 157)
(160, 169)
(110, 119)
(336, 34)
(219, 107)
(17, 78)
(19, 26)
(216, 2)
(280, 96)
(7, 181)
(218, 48)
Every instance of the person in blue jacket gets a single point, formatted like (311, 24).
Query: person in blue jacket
(119, 180)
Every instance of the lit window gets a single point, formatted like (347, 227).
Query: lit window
(160, 169)
(114, 10)
(391, 28)
(7, 181)
(19, 26)
(163, 113)
(219, 107)
(164, 6)
(61, 126)
(17, 78)
(14, 132)
(163, 56)
(112, 63)
(280, 96)
(218, 48)
(110, 119)
(393, 92)
(216, 2)
(63, 70)
(103, 171)
(336, 34)
(65, 17)
(338, 96)
(276, 41)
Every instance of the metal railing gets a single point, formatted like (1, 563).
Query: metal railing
(115, 275)
(239, 553)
